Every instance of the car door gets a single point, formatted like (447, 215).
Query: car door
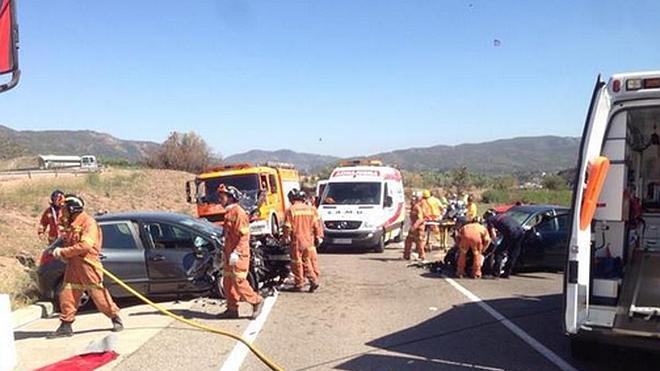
(177, 258)
(123, 254)
(556, 247)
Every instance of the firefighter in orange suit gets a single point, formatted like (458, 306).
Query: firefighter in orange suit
(50, 218)
(475, 237)
(82, 239)
(416, 231)
(302, 228)
(236, 255)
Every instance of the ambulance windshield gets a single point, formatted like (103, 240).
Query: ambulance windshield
(358, 193)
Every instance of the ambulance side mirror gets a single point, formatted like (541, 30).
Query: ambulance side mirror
(8, 44)
(388, 201)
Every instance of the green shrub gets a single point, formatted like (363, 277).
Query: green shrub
(540, 196)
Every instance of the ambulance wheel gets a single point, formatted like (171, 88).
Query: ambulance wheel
(583, 350)
(380, 247)
(399, 236)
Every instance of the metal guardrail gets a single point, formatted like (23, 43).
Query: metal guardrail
(29, 173)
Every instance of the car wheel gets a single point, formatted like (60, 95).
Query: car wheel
(399, 236)
(253, 280)
(380, 247)
(218, 289)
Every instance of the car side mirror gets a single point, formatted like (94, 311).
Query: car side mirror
(388, 201)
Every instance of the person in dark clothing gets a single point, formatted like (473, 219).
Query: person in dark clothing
(512, 235)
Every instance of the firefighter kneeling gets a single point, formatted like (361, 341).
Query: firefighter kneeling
(303, 231)
(471, 237)
(82, 240)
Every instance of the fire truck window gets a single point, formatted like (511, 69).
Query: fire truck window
(273, 184)
(264, 182)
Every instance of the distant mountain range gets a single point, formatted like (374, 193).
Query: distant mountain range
(14, 143)
(303, 161)
(504, 156)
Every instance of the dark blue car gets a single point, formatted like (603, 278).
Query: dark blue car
(545, 244)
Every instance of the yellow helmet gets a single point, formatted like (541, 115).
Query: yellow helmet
(426, 193)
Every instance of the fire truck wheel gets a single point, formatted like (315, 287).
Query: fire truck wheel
(274, 226)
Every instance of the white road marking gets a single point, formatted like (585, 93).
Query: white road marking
(412, 358)
(545, 352)
(237, 355)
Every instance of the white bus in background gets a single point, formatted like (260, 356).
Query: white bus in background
(612, 279)
(63, 162)
(363, 205)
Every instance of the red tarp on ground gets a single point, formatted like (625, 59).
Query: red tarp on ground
(82, 362)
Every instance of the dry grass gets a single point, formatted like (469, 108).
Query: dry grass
(22, 201)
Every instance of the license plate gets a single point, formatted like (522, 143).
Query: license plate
(343, 241)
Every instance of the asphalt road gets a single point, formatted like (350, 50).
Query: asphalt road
(372, 312)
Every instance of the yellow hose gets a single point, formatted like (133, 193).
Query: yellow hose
(272, 365)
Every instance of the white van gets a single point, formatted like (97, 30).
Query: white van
(363, 205)
(612, 280)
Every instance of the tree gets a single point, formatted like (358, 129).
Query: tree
(504, 183)
(461, 178)
(554, 182)
(186, 152)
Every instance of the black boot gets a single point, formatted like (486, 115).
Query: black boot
(256, 309)
(117, 324)
(313, 286)
(64, 330)
(228, 314)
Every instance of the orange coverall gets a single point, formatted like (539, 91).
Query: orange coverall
(415, 233)
(83, 239)
(50, 220)
(237, 238)
(475, 237)
(303, 226)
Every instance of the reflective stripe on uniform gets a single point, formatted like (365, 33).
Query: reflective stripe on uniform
(88, 240)
(239, 275)
(295, 213)
(82, 286)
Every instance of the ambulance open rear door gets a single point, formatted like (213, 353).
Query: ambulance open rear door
(577, 276)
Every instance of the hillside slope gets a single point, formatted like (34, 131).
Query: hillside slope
(23, 200)
(14, 143)
(302, 161)
(505, 156)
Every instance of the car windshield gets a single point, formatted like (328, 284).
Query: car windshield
(358, 193)
(520, 216)
(248, 184)
(202, 225)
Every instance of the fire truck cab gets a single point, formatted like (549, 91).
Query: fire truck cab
(264, 189)
(612, 279)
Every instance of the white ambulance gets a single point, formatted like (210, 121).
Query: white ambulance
(363, 205)
(612, 280)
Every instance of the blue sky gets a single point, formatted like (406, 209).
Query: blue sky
(340, 77)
